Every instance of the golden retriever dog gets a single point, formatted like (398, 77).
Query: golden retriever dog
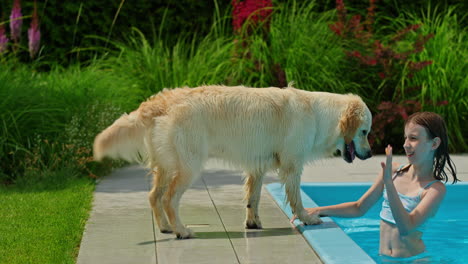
(255, 129)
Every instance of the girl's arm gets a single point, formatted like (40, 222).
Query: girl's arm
(407, 222)
(351, 209)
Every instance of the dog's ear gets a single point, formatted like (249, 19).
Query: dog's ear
(351, 120)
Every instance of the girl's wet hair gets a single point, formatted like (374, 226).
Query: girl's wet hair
(436, 127)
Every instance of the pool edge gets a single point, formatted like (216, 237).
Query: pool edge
(328, 240)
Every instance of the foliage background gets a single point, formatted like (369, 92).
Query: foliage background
(111, 55)
(68, 26)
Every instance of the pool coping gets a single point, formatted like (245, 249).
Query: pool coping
(329, 241)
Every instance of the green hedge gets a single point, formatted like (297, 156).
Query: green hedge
(68, 26)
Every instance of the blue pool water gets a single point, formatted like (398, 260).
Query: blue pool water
(446, 235)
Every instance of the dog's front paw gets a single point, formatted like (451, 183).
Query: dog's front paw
(185, 233)
(311, 219)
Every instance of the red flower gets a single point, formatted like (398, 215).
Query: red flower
(354, 53)
(371, 61)
(417, 66)
(254, 10)
(337, 28)
(341, 11)
(355, 23)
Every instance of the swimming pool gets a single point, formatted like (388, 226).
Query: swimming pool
(356, 240)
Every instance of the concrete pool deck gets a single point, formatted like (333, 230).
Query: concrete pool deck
(121, 228)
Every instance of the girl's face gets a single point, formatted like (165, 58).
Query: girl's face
(418, 146)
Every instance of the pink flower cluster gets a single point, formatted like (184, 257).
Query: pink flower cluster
(16, 22)
(3, 39)
(34, 34)
(254, 11)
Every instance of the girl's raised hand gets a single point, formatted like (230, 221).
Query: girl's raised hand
(387, 166)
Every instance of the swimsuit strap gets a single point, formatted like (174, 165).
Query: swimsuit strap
(398, 171)
(401, 167)
(427, 186)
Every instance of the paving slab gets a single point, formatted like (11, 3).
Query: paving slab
(119, 229)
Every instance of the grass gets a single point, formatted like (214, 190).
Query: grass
(43, 219)
(48, 123)
(308, 51)
(300, 42)
(190, 62)
(152, 64)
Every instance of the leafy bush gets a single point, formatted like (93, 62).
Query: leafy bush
(392, 67)
(443, 85)
(307, 50)
(150, 68)
(44, 117)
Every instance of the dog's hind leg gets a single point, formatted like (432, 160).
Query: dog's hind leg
(179, 184)
(253, 189)
(290, 176)
(160, 183)
(185, 154)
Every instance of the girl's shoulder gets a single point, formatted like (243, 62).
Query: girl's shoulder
(437, 188)
(436, 185)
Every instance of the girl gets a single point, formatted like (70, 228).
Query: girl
(412, 192)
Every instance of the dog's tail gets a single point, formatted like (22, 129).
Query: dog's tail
(124, 139)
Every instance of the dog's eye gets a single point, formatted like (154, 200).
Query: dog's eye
(364, 132)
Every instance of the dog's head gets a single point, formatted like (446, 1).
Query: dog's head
(355, 124)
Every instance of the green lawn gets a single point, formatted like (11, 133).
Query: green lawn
(43, 221)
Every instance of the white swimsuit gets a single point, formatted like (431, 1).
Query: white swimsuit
(409, 202)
